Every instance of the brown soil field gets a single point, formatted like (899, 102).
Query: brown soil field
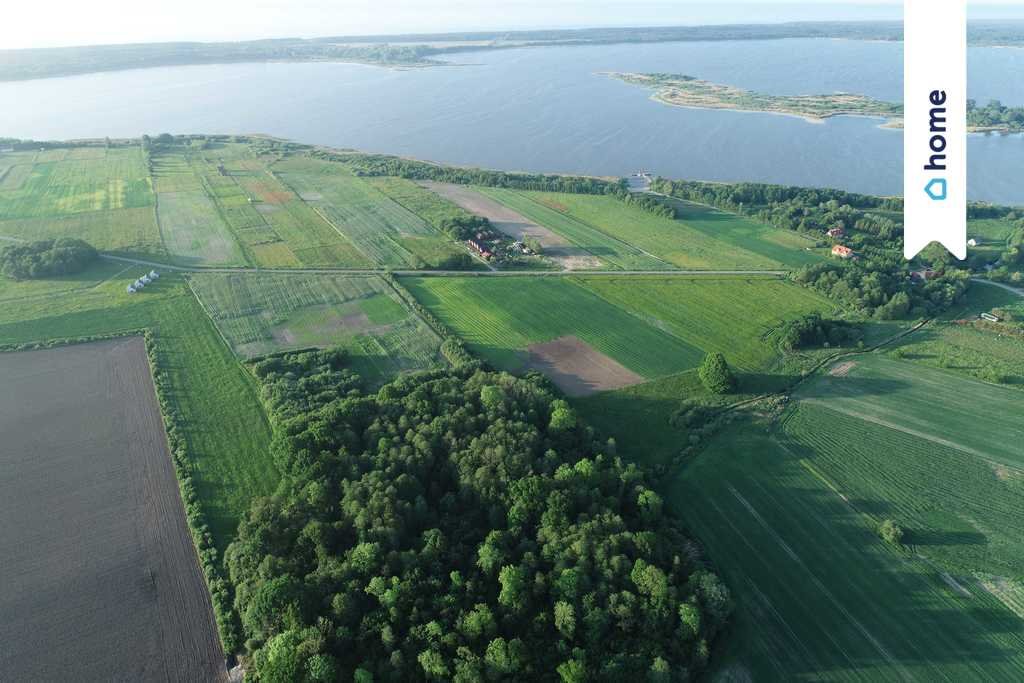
(577, 368)
(515, 225)
(99, 579)
(842, 369)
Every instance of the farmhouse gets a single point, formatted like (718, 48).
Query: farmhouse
(836, 232)
(923, 275)
(842, 251)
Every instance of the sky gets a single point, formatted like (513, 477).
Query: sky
(50, 23)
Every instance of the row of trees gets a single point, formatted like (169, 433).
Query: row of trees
(459, 525)
(383, 165)
(46, 258)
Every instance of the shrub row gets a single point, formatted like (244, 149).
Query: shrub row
(221, 591)
(67, 341)
(452, 348)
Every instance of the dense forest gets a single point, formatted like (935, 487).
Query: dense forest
(459, 525)
(46, 258)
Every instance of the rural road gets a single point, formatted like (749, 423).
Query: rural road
(437, 273)
(1000, 285)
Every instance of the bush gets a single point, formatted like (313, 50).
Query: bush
(715, 374)
(891, 532)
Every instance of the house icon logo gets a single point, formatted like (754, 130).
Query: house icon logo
(936, 189)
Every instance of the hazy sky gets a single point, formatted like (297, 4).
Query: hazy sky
(46, 23)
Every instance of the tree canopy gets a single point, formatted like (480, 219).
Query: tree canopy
(459, 525)
(715, 375)
(46, 258)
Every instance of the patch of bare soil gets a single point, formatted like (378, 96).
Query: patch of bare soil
(99, 579)
(282, 335)
(577, 368)
(515, 225)
(842, 369)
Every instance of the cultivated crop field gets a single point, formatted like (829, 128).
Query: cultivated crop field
(259, 315)
(674, 241)
(193, 231)
(383, 230)
(819, 595)
(100, 579)
(500, 318)
(61, 186)
(734, 315)
(225, 427)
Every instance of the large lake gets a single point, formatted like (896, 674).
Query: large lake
(546, 110)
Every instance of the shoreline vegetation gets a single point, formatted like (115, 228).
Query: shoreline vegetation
(679, 90)
(423, 50)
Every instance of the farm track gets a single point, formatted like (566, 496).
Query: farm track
(440, 273)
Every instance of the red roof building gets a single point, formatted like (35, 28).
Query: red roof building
(841, 251)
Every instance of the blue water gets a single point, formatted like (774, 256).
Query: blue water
(546, 110)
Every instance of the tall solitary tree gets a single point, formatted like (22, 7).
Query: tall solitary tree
(715, 374)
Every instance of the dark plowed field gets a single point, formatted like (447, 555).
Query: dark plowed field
(99, 579)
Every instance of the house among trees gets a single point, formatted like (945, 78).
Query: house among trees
(923, 275)
(836, 232)
(480, 247)
(842, 251)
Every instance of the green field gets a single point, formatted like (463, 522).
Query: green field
(734, 315)
(547, 211)
(991, 230)
(193, 232)
(117, 179)
(500, 317)
(704, 239)
(226, 430)
(820, 597)
(382, 229)
(263, 314)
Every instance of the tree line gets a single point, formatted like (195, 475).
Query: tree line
(460, 525)
(384, 165)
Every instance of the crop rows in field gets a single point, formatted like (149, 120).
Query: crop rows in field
(907, 396)
(116, 180)
(258, 315)
(549, 213)
(674, 241)
(193, 231)
(957, 508)
(819, 595)
(384, 231)
(736, 316)
(500, 317)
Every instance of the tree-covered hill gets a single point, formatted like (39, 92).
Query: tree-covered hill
(459, 525)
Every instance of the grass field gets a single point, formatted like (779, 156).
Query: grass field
(820, 597)
(117, 179)
(258, 315)
(500, 317)
(736, 316)
(227, 431)
(545, 211)
(383, 230)
(991, 230)
(704, 239)
(129, 232)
